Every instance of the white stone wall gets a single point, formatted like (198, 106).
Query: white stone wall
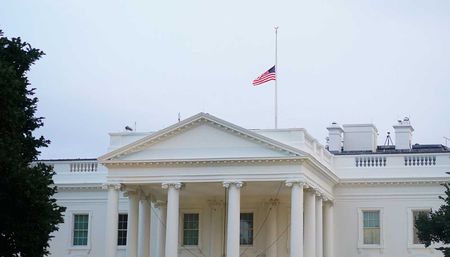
(396, 202)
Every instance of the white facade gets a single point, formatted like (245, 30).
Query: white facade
(208, 188)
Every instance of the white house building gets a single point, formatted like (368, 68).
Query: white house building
(204, 187)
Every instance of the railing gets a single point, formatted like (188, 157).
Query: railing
(424, 160)
(406, 160)
(370, 161)
(83, 166)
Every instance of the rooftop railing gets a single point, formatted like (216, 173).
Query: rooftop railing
(369, 161)
(90, 166)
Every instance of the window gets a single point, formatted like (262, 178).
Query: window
(246, 229)
(122, 229)
(415, 215)
(80, 229)
(190, 228)
(371, 227)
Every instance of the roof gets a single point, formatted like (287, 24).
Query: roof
(390, 149)
(67, 160)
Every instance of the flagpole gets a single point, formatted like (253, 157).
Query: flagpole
(276, 79)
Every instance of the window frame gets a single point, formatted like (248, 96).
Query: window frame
(181, 228)
(361, 244)
(122, 246)
(252, 211)
(184, 230)
(410, 226)
(72, 227)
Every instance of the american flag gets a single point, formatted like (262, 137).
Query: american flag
(265, 77)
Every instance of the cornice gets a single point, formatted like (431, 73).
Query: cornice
(80, 187)
(327, 172)
(202, 162)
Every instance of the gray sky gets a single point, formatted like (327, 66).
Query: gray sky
(110, 63)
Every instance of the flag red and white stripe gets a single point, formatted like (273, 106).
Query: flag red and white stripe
(266, 77)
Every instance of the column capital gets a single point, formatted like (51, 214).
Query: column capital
(328, 200)
(115, 186)
(237, 184)
(299, 182)
(321, 195)
(160, 204)
(145, 197)
(318, 193)
(130, 192)
(176, 185)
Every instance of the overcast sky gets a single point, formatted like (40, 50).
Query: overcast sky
(111, 63)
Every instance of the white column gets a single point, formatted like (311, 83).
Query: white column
(162, 215)
(296, 242)
(328, 239)
(112, 219)
(133, 216)
(310, 224)
(271, 229)
(319, 226)
(233, 219)
(173, 201)
(144, 227)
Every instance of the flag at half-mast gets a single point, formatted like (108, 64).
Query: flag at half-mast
(265, 77)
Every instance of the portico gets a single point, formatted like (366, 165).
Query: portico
(250, 195)
(304, 203)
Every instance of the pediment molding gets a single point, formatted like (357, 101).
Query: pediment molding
(192, 122)
(203, 162)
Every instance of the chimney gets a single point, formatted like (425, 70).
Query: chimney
(403, 134)
(360, 137)
(335, 137)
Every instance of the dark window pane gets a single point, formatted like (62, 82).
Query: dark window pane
(80, 229)
(246, 229)
(122, 229)
(190, 228)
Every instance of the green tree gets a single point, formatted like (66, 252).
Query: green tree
(435, 226)
(29, 212)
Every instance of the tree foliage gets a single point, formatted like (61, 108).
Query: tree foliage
(29, 212)
(435, 226)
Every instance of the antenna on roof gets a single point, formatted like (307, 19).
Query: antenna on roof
(388, 140)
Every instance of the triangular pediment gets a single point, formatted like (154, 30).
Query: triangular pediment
(201, 137)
